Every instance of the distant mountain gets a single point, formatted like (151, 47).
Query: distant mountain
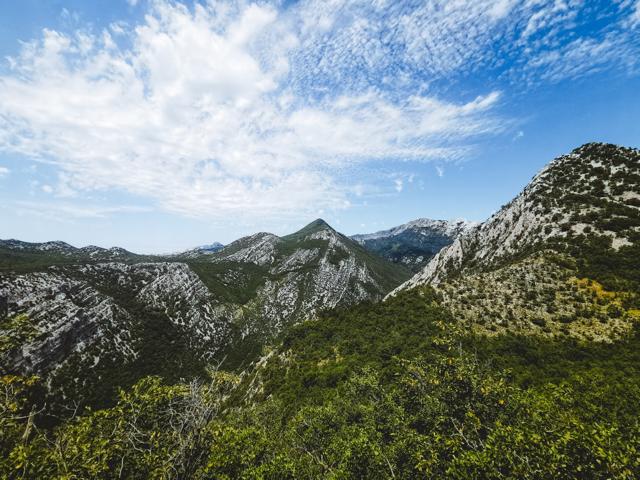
(211, 248)
(18, 254)
(105, 321)
(563, 257)
(414, 243)
(200, 251)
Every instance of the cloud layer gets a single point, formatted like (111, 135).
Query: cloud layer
(253, 109)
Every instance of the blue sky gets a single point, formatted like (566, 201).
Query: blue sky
(160, 125)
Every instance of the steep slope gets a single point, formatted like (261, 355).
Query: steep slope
(91, 322)
(563, 256)
(414, 243)
(277, 281)
(89, 328)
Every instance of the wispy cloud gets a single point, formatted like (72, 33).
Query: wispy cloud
(412, 45)
(634, 18)
(69, 211)
(252, 110)
(4, 171)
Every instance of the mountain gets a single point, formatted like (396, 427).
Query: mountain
(563, 257)
(104, 322)
(414, 243)
(211, 248)
(16, 254)
(200, 252)
(417, 386)
(281, 280)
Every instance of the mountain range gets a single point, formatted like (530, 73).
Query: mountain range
(414, 349)
(94, 310)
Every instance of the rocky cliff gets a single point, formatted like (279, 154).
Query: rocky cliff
(87, 317)
(575, 229)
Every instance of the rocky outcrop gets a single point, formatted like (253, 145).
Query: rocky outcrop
(560, 259)
(254, 287)
(68, 315)
(589, 191)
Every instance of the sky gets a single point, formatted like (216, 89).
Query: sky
(160, 125)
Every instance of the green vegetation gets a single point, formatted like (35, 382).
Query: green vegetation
(33, 260)
(616, 269)
(15, 332)
(392, 390)
(400, 389)
(233, 282)
(24, 262)
(548, 293)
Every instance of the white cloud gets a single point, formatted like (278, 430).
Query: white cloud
(501, 8)
(582, 57)
(349, 42)
(634, 18)
(399, 44)
(4, 171)
(69, 211)
(227, 108)
(198, 116)
(399, 185)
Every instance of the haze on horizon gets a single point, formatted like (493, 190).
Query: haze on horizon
(161, 125)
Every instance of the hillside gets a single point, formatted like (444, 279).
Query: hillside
(561, 258)
(16, 255)
(401, 388)
(106, 323)
(358, 394)
(414, 243)
(281, 280)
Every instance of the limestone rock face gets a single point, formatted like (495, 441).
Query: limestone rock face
(593, 190)
(532, 266)
(85, 312)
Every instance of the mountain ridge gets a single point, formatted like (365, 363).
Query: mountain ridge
(413, 243)
(577, 221)
(87, 317)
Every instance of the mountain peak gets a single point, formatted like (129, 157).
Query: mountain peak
(319, 224)
(593, 192)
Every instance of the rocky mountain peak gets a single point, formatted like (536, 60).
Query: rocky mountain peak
(560, 259)
(593, 191)
(259, 248)
(315, 228)
(319, 224)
